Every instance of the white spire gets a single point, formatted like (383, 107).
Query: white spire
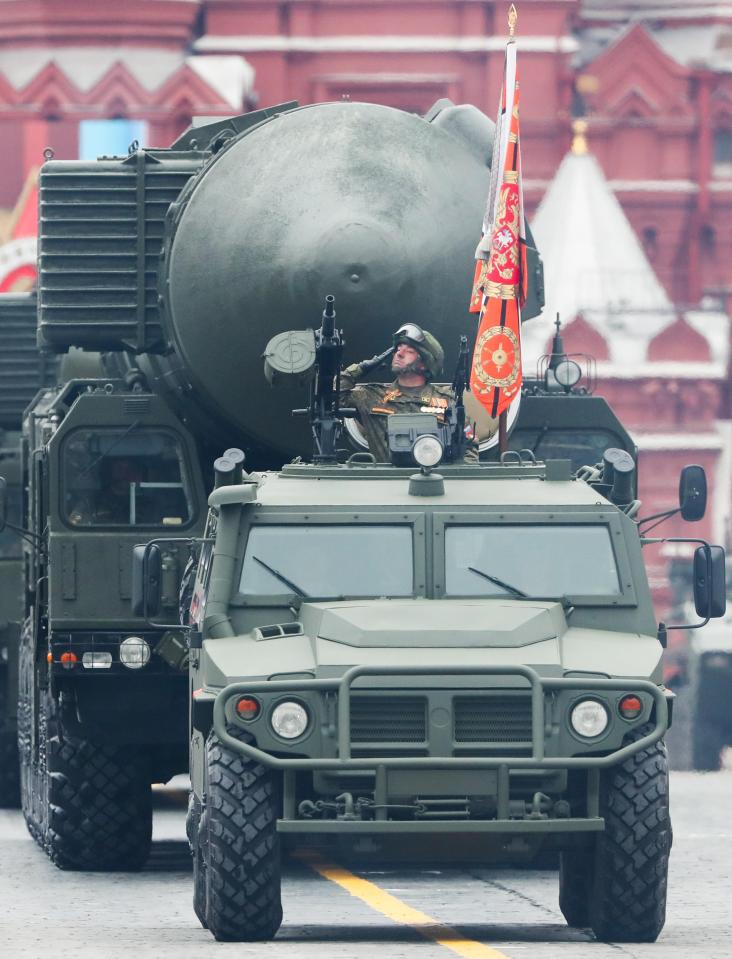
(594, 264)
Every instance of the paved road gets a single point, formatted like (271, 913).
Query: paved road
(47, 914)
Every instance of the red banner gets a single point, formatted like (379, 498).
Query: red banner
(499, 289)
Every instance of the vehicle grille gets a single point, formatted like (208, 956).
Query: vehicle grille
(388, 719)
(493, 719)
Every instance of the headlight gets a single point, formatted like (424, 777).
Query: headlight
(589, 718)
(427, 451)
(289, 720)
(568, 373)
(134, 652)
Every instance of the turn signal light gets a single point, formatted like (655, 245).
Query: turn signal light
(247, 708)
(630, 707)
(69, 660)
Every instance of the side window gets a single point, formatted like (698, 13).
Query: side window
(124, 478)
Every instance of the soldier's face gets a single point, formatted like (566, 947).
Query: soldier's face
(406, 359)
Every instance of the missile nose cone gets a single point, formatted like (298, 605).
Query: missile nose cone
(364, 263)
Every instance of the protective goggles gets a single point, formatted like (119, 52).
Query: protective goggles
(410, 331)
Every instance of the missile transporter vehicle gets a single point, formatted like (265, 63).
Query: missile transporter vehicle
(22, 372)
(384, 655)
(173, 267)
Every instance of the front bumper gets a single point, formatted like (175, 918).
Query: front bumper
(223, 717)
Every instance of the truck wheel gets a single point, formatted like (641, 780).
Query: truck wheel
(628, 900)
(240, 847)
(89, 806)
(575, 870)
(193, 831)
(9, 761)
(707, 743)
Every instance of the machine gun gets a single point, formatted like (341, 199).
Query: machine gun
(455, 415)
(325, 412)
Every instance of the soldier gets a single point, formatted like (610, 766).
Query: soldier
(416, 360)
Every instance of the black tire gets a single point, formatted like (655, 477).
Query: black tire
(628, 901)
(9, 759)
(193, 822)
(575, 872)
(707, 743)
(88, 806)
(240, 847)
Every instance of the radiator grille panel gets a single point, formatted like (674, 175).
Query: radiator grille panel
(493, 719)
(388, 719)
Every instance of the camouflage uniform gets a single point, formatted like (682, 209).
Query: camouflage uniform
(375, 402)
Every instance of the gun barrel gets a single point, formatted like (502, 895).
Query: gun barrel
(329, 316)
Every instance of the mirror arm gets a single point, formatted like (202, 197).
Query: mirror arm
(659, 516)
(648, 540)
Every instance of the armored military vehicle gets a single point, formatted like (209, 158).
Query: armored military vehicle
(709, 693)
(381, 652)
(177, 265)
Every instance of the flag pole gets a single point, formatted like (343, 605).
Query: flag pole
(503, 417)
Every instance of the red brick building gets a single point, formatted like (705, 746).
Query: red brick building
(653, 78)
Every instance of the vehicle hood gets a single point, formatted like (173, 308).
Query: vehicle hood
(425, 623)
(440, 634)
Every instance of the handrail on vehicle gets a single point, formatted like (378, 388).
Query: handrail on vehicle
(344, 760)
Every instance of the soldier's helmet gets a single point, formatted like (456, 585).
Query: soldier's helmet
(425, 344)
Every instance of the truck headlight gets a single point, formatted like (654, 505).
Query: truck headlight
(589, 718)
(289, 720)
(134, 652)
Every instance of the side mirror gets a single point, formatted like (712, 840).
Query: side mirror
(693, 493)
(147, 577)
(3, 504)
(710, 594)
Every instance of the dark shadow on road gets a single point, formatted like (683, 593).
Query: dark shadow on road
(169, 855)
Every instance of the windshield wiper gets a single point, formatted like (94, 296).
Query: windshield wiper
(281, 577)
(514, 590)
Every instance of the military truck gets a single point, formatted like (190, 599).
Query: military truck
(382, 652)
(708, 693)
(175, 266)
(22, 372)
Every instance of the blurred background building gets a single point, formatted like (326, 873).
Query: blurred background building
(634, 223)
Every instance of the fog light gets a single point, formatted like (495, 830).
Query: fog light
(589, 718)
(289, 720)
(427, 451)
(134, 652)
(247, 708)
(96, 660)
(630, 707)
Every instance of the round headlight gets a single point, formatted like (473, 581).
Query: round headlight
(289, 720)
(427, 451)
(134, 652)
(568, 373)
(589, 718)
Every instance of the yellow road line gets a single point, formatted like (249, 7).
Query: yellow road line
(398, 911)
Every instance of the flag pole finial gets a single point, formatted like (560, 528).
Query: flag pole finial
(512, 18)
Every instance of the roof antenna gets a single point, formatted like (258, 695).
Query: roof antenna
(558, 351)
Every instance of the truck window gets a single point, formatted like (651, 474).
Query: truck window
(11, 545)
(124, 478)
(328, 561)
(539, 560)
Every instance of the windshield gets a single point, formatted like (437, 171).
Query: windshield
(542, 561)
(328, 561)
(132, 477)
